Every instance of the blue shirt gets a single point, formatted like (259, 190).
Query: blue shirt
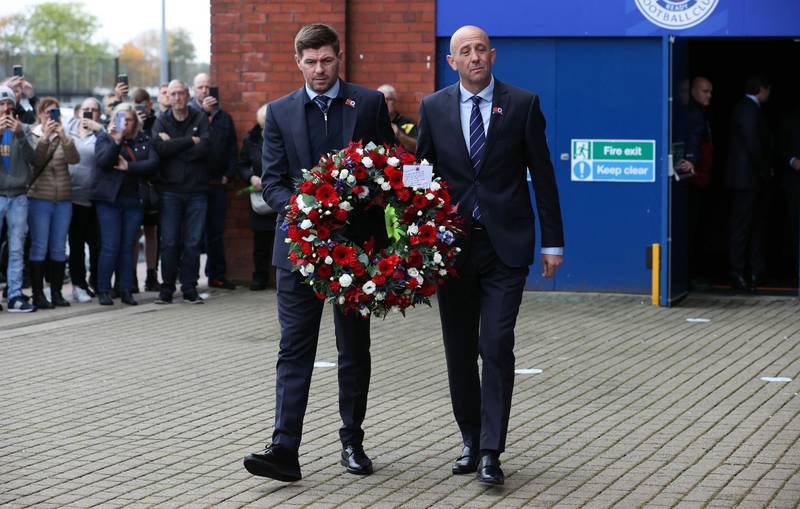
(465, 104)
(332, 92)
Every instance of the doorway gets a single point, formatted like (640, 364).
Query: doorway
(727, 63)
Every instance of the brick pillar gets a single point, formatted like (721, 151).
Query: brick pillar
(252, 62)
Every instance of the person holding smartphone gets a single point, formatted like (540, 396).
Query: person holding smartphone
(16, 154)
(50, 201)
(125, 157)
(221, 170)
(83, 129)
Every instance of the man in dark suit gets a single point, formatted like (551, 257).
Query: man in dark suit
(482, 136)
(747, 177)
(322, 116)
(790, 186)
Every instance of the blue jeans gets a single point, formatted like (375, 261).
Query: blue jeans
(119, 225)
(215, 231)
(49, 224)
(15, 211)
(183, 217)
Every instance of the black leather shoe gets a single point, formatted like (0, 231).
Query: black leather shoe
(57, 299)
(739, 282)
(467, 463)
(274, 462)
(104, 299)
(489, 471)
(127, 298)
(355, 460)
(752, 286)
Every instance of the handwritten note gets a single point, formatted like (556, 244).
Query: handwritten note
(417, 176)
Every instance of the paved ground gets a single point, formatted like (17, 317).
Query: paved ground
(635, 406)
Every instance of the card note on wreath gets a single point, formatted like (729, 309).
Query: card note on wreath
(417, 176)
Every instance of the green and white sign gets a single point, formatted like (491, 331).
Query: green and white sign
(613, 160)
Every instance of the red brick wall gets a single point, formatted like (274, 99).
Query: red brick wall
(252, 62)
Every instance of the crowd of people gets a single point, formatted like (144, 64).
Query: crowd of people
(126, 166)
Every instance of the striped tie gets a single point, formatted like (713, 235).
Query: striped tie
(323, 103)
(477, 143)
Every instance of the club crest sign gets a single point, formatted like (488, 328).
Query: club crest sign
(676, 14)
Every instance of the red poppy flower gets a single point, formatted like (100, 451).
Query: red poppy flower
(358, 269)
(378, 279)
(412, 283)
(342, 255)
(334, 286)
(327, 195)
(398, 275)
(324, 271)
(313, 216)
(407, 158)
(403, 194)
(360, 173)
(427, 234)
(386, 267)
(307, 187)
(419, 201)
(305, 247)
(340, 215)
(294, 233)
(414, 259)
(323, 232)
(378, 159)
(322, 251)
(396, 181)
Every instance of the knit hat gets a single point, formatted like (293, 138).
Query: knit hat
(6, 94)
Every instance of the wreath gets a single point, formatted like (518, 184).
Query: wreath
(422, 227)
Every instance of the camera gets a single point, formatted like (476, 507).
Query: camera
(214, 92)
(122, 78)
(17, 70)
(87, 114)
(55, 115)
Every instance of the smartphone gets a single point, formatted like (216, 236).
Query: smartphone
(119, 121)
(214, 92)
(122, 78)
(18, 70)
(55, 115)
(139, 108)
(87, 114)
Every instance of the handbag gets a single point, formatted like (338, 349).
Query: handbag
(147, 191)
(258, 204)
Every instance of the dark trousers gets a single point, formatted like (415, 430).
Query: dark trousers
(299, 314)
(120, 221)
(83, 232)
(215, 232)
(478, 312)
(749, 211)
(183, 216)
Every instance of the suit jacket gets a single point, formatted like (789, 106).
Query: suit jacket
(748, 163)
(515, 145)
(287, 151)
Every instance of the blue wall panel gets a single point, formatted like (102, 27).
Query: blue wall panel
(592, 88)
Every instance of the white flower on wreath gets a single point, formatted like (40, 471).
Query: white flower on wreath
(345, 205)
(329, 260)
(351, 179)
(309, 238)
(429, 196)
(435, 186)
(379, 296)
(437, 257)
(386, 186)
(393, 161)
(369, 287)
(367, 162)
(413, 272)
(364, 193)
(412, 229)
(420, 280)
(335, 173)
(359, 151)
(306, 224)
(442, 272)
(345, 280)
(343, 174)
(310, 268)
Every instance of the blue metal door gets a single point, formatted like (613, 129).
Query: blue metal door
(594, 88)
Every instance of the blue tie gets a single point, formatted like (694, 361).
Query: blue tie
(323, 103)
(477, 143)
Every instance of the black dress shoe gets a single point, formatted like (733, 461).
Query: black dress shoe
(274, 462)
(127, 298)
(467, 463)
(104, 298)
(355, 460)
(739, 283)
(489, 471)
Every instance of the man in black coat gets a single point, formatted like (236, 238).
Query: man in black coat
(790, 186)
(322, 116)
(747, 177)
(483, 136)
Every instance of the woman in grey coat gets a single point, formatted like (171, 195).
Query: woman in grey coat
(83, 227)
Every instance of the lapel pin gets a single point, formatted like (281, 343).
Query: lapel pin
(497, 109)
(350, 102)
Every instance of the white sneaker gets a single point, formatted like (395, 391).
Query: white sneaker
(80, 295)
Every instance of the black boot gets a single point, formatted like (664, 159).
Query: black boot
(135, 287)
(126, 297)
(151, 283)
(37, 284)
(56, 280)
